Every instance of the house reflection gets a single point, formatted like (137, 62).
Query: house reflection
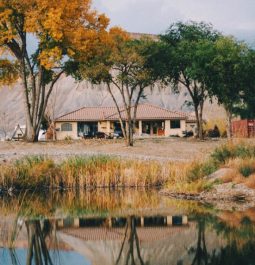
(120, 222)
(133, 240)
(115, 240)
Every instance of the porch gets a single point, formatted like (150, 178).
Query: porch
(152, 128)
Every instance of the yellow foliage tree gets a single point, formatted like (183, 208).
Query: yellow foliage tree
(64, 30)
(124, 68)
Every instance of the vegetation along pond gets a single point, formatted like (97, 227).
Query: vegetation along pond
(121, 227)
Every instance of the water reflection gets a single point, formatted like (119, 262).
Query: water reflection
(84, 229)
(37, 249)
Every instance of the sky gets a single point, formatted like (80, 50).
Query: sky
(231, 17)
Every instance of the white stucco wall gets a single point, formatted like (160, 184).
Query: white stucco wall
(61, 135)
(106, 127)
(191, 126)
(169, 131)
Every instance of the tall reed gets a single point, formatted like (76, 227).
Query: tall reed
(81, 172)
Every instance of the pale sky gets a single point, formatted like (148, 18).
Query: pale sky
(235, 17)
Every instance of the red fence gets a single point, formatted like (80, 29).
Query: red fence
(243, 128)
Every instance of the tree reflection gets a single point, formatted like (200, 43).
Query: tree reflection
(239, 248)
(37, 252)
(201, 255)
(130, 245)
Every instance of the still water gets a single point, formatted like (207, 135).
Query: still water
(120, 228)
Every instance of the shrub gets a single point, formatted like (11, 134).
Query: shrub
(201, 170)
(243, 151)
(221, 154)
(246, 170)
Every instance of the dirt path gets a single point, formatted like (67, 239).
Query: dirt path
(173, 149)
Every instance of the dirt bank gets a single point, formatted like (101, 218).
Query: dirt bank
(172, 149)
(222, 196)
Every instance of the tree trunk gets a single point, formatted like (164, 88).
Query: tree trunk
(35, 115)
(201, 106)
(129, 133)
(29, 133)
(229, 123)
(129, 126)
(197, 122)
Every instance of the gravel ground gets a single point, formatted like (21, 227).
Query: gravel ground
(172, 149)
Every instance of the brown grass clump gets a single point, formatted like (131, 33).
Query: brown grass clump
(187, 178)
(229, 176)
(104, 171)
(250, 182)
(242, 172)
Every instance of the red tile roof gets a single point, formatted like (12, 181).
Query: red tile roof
(145, 234)
(144, 112)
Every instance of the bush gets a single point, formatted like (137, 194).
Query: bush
(246, 170)
(243, 151)
(201, 170)
(228, 151)
(221, 154)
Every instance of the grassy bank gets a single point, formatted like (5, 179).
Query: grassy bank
(81, 172)
(238, 158)
(108, 171)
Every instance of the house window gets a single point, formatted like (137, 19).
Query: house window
(175, 124)
(66, 127)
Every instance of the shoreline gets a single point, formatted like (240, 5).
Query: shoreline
(222, 196)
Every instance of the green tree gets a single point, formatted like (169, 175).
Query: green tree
(183, 53)
(247, 109)
(230, 76)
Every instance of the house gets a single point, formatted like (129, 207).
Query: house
(151, 120)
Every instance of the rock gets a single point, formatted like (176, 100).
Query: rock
(219, 174)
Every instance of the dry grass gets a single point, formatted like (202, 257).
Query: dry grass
(105, 171)
(243, 171)
(187, 178)
(81, 172)
(109, 171)
(250, 182)
(190, 177)
(102, 171)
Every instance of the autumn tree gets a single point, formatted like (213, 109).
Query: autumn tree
(8, 72)
(184, 51)
(62, 29)
(122, 66)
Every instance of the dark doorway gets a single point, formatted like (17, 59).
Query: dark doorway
(87, 129)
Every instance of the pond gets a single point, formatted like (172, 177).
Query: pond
(121, 227)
